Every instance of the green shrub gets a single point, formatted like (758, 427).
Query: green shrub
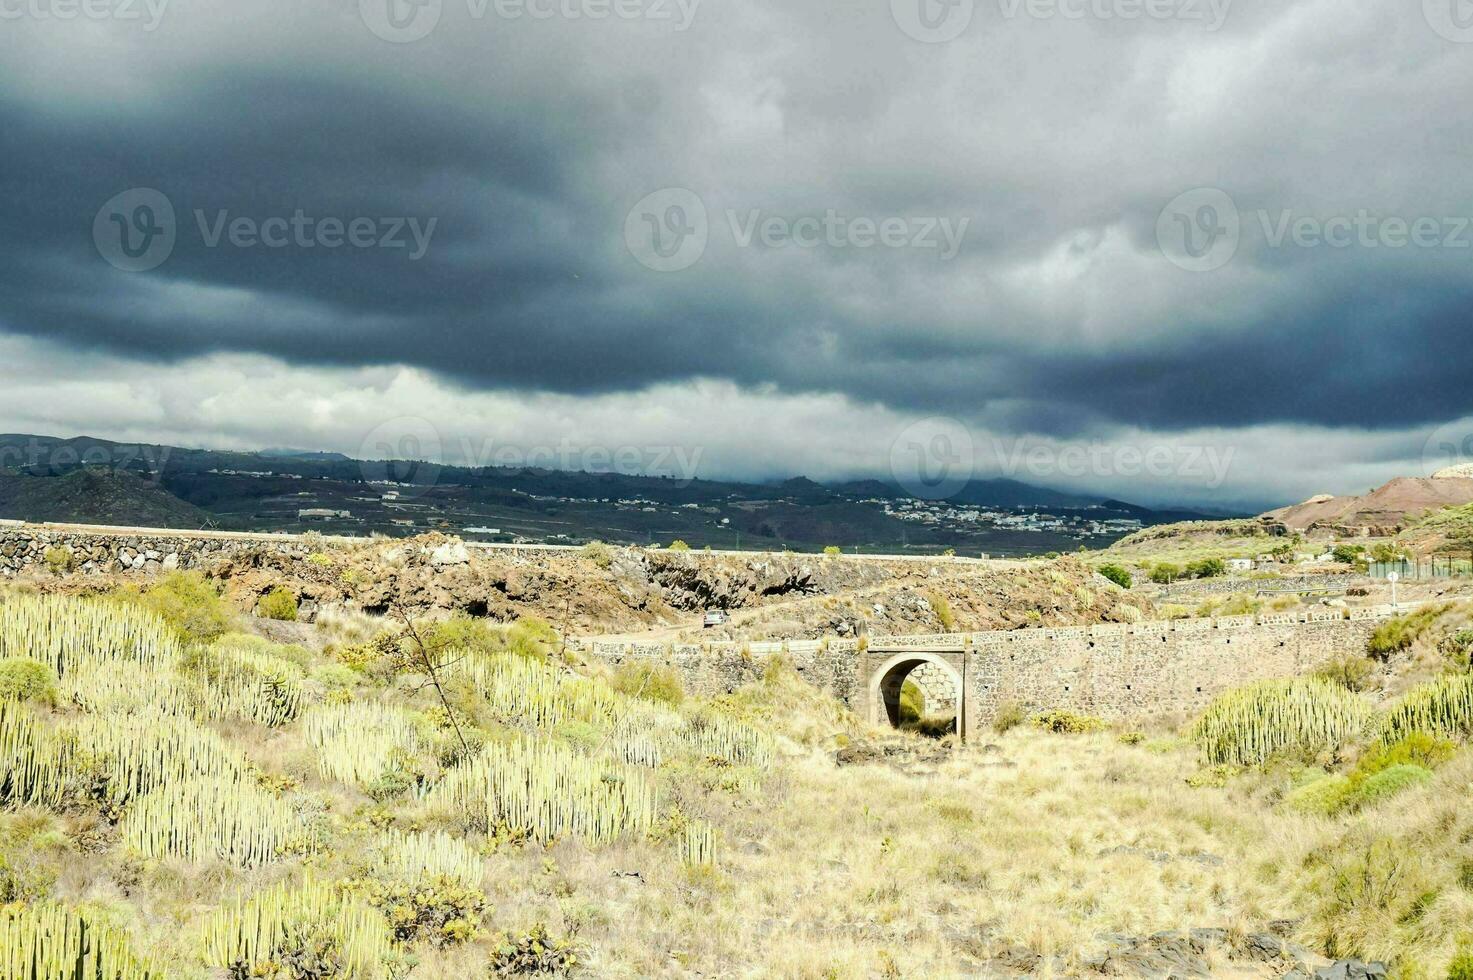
(1386, 783)
(1010, 715)
(532, 954)
(679, 545)
(188, 602)
(1215, 777)
(1398, 634)
(531, 637)
(1066, 723)
(1461, 968)
(598, 553)
(1323, 797)
(335, 676)
(1165, 573)
(1351, 672)
(24, 679)
(59, 560)
(1131, 738)
(1117, 575)
(942, 608)
(1348, 554)
(833, 550)
(912, 703)
(1302, 717)
(279, 604)
(438, 909)
(1207, 568)
(1416, 748)
(650, 681)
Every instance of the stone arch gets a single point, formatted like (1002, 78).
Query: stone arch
(885, 683)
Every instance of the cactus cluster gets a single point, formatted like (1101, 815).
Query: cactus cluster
(62, 631)
(47, 940)
(423, 855)
(202, 819)
(340, 934)
(359, 742)
(520, 690)
(1442, 708)
(1306, 716)
(549, 792)
(114, 758)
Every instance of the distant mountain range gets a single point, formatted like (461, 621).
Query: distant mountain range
(98, 481)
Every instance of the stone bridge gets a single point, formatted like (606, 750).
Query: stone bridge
(1114, 671)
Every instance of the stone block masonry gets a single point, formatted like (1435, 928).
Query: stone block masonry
(1113, 671)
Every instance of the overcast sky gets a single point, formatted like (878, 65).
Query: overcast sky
(1170, 250)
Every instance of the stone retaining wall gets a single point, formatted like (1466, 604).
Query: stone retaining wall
(1202, 588)
(1115, 671)
(24, 548)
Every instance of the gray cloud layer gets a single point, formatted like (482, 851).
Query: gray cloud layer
(527, 142)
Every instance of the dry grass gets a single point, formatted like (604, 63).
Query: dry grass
(929, 865)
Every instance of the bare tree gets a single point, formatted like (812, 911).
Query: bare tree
(426, 656)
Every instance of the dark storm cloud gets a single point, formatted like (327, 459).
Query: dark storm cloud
(528, 143)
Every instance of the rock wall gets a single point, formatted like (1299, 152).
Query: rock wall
(1115, 671)
(24, 548)
(1201, 588)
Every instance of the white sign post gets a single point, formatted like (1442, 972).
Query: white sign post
(1393, 578)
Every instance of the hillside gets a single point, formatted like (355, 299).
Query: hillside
(202, 795)
(93, 496)
(1381, 513)
(271, 490)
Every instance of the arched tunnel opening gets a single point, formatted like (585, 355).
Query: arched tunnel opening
(922, 696)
